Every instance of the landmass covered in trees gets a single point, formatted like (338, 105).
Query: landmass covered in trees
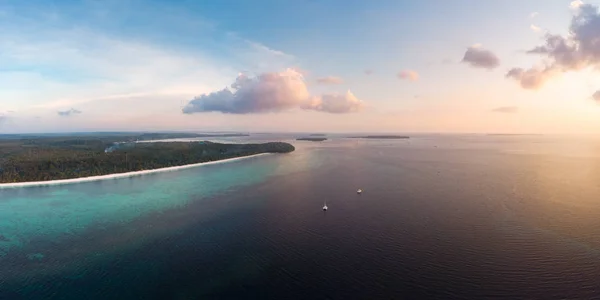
(387, 137)
(312, 139)
(53, 158)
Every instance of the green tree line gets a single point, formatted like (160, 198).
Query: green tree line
(53, 159)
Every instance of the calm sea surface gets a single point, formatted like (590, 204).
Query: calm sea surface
(440, 217)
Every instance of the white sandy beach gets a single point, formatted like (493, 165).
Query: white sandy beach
(118, 175)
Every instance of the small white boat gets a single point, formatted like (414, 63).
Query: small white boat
(359, 191)
(325, 206)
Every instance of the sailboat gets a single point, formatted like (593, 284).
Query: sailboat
(325, 206)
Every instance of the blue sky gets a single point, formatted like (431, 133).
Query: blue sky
(135, 65)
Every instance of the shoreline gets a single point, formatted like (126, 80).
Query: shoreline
(119, 175)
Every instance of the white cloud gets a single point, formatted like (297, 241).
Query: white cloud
(534, 14)
(576, 4)
(535, 28)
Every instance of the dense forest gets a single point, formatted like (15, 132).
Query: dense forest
(52, 158)
(312, 139)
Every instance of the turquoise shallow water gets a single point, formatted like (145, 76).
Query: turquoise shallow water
(53, 212)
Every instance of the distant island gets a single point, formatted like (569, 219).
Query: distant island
(119, 136)
(312, 139)
(380, 137)
(317, 134)
(515, 134)
(55, 158)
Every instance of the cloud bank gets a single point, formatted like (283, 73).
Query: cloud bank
(330, 80)
(506, 109)
(578, 50)
(70, 112)
(478, 57)
(408, 75)
(269, 93)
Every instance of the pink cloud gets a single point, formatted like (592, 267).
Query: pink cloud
(269, 93)
(409, 75)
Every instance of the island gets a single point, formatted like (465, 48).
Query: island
(515, 134)
(120, 136)
(387, 137)
(312, 139)
(66, 157)
(317, 134)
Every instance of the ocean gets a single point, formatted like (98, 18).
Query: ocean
(440, 217)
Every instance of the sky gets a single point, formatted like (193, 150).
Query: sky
(463, 66)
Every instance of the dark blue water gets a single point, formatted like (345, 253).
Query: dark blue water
(440, 217)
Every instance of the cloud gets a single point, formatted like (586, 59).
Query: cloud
(535, 28)
(259, 57)
(534, 14)
(330, 80)
(336, 103)
(409, 75)
(66, 62)
(271, 92)
(596, 96)
(94, 66)
(446, 61)
(506, 109)
(68, 113)
(578, 50)
(261, 47)
(533, 78)
(301, 71)
(576, 4)
(478, 57)
(368, 71)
